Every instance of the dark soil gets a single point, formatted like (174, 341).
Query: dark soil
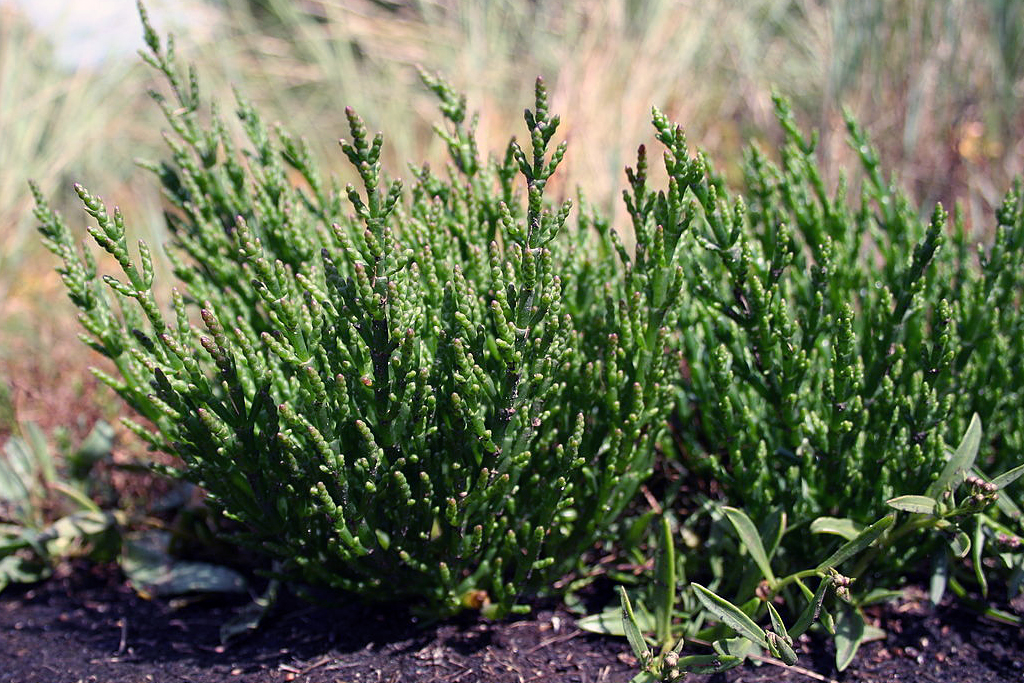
(88, 626)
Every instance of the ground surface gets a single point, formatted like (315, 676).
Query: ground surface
(88, 626)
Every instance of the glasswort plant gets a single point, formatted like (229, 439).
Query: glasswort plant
(834, 349)
(445, 395)
(833, 353)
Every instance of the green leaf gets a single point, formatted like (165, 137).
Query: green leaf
(16, 569)
(827, 621)
(940, 576)
(96, 446)
(609, 622)
(872, 633)
(877, 595)
(75, 495)
(778, 646)
(9, 543)
(1015, 583)
(779, 640)
(730, 615)
(637, 530)
(42, 456)
(813, 609)
(664, 583)
(708, 664)
(738, 647)
(849, 635)
(153, 571)
(249, 618)
(977, 550)
(919, 504)
(17, 472)
(777, 624)
(180, 578)
(632, 629)
(73, 534)
(772, 529)
(839, 526)
(1008, 477)
(960, 543)
(752, 540)
(862, 541)
(960, 462)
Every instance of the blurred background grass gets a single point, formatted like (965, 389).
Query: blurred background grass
(937, 83)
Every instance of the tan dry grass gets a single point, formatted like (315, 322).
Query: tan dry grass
(935, 83)
(927, 79)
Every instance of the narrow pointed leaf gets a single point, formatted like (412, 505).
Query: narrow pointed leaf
(249, 618)
(863, 540)
(609, 622)
(17, 472)
(152, 571)
(828, 621)
(772, 529)
(781, 649)
(1008, 477)
(77, 496)
(960, 462)
(849, 635)
(752, 540)
(872, 633)
(813, 609)
(730, 615)
(878, 595)
(977, 550)
(940, 576)
(664, 584)
(917, 504)
(847, 528)
(960, 544)
(777, 624)
(644, 677)
(632, 629)
(707, 664)
(738, 647)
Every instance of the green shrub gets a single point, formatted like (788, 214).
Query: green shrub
(835, 355)
(445, 397)
(833, 349)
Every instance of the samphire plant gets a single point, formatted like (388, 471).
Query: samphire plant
(834, 348)
(833, 357)
(442, 394)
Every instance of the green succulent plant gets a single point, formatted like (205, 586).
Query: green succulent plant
(443, 394)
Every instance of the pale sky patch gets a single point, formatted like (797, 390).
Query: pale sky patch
(86, 32)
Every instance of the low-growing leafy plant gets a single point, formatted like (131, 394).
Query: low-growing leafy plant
(746, 570)
(59, 504)
(681, 607)
(46, 512)
(444, 396)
